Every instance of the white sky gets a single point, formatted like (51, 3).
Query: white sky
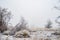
(36, 12)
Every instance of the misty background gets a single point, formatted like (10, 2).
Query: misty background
(35, 12)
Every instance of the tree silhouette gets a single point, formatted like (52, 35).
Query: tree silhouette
(49, 23)
(57, 20)
(58, 23)
(20, 26)
(58, 5)
(4, 18)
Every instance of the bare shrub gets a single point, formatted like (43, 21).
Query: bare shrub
(49, 24)
(20, 26)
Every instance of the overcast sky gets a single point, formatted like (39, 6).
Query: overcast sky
(35, 12)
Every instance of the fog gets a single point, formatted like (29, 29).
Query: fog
(36, 12)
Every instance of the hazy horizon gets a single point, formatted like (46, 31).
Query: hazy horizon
(35, 12)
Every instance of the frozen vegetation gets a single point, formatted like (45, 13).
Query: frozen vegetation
(22, 32)
(38, 35)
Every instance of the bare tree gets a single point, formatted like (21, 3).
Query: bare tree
(20, 26)
(49, 24)
(58, 4)
(4, 19)
(57, 20)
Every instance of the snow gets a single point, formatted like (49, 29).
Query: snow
(34, 36)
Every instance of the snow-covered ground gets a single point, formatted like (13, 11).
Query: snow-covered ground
(39, 35)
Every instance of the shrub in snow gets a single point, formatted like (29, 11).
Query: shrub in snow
(22, 34)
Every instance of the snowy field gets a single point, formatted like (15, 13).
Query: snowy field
(39, 35)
